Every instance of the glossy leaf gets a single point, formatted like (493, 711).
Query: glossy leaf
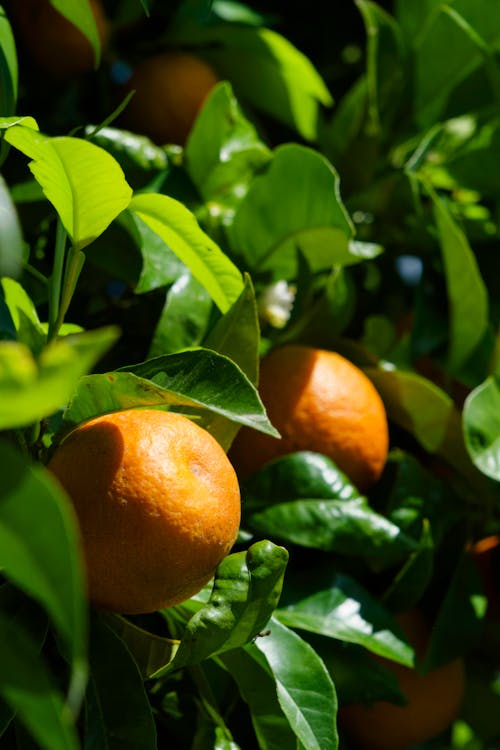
(178, 228)
(300, 475)
(348, 527)
(107, 392)
(246, 590)
(269, 231)
(11, 240)
(184, 318)
(28, 687)
(135, 153)
(118, 712)
(83, 182)
(223, 150)
(305, 689)
(237, 335)
(160, 265)
(254, 678)
(40, 552)
(31, 389)
(346, 611)
(481, 423)
(209, 380)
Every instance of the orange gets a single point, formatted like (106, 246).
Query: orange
(158, 505)
(433, 700)
(53, 42)
(318, 401)
(170, 89)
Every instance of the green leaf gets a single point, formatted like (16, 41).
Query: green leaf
(246, 590)
(80, 14)
(118, 713)
(266, 70)
(136, 154)
(348, 527)
(254, 678)
(31, 389)
(467, 293)
(453, 41)
(223, 151)
(28, 688)
(28, 329)
(178, 228)
(202, 377)
(160, 265)
(481, 425)
(11, 239)
(300, 475)
(237, 334)
(346, 611)
(172, 386)
(40, 552)
(8, 67)
(295, 205)
(184, 318)
(305, 689)
(83, 182)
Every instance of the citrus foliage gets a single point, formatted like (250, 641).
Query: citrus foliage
(338, 188)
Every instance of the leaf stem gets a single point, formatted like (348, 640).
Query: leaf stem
(55, 281)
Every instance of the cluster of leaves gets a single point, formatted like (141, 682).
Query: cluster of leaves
(368, 227)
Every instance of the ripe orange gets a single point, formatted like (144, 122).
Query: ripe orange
(170, 89)
(158, 504)
(434, 700)
(318, 401)
(55, 44)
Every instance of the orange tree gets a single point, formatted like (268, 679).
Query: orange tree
(334, 190)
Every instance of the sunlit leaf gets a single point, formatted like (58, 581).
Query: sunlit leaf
(305, 689)
(178, 228)
(83, 182)
(295, 205)
(31, 389)
(246, 590)
(348, 612)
